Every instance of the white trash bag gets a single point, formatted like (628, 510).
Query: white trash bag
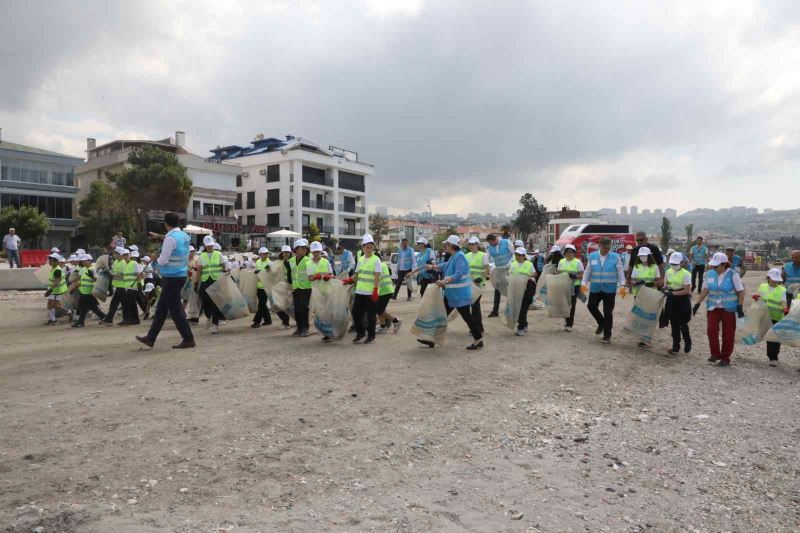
(517, 283)
(431, 321)
(193, 305)
(330, 303)
(756, 324)
(787, 331)
(541, 287)
(248, 286)
(227, 298)
(100, 289)
(499, 278)
(643, 317)
(281, 297)
(273, 276)
(559, 295)
(43, 273)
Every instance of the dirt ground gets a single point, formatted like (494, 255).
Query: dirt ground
(257, 431)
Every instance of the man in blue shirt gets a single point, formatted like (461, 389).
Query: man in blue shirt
(698, 254)
(346, 260)
(406, 262)
(501, 253)
(736, 261)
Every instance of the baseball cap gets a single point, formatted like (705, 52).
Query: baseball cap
(775, 274)
(367, 239)
(520, 250)
(568, 247)
(676, 258)
(422, 240)
(286, 248)
(455, 240)
(208, 240)
(474, 240)
(555, 248)
(717, 259)
(316, 246)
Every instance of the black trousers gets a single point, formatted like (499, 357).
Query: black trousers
(398, 283)
(476, 313)
(141, 300)
(86, 303)
(697, 277)
(496, 304)
(679, 310)
(302, 297)
(363, 304)
(129, 306)
(466, 313)
(527, 299)
(423, 284)
(262, 314)
(209, 307)
(789, 298)
(569, 322)
(170, 303)
(116, 302)
(606, 318)
(773, 348)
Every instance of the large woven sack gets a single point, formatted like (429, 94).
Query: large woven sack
(431, 321)
(69, 301)
(787, 331)
(101, 263)
(227, 298)
(193, 305)
(248, 287)
(756, 324)
(541, 287)
(187, 289)
(475, 293)
(273, 276)
(281, 297)
(643, 317)
(235, 273)
(330, 301)
(499, 278)
(43, 273)
(559, 295)
(100, 289)
(517, 283)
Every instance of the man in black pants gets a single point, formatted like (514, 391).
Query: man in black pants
(603, 274)
(406, 262)
(698, 255)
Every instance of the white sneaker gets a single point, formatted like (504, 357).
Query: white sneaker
(214, 329)
(396, 325)
(567, 328)
(520, 333)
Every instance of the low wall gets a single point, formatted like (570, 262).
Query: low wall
(20, 279)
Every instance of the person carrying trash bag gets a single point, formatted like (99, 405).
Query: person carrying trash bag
(301, 287)
(791, 277)
(56, 288)
(678, 307)
(118, 286)
(385, 293)
(773, 293)
(457, 287)
(318, 269)
(262, 312)
(571, 265)
(87, 302)
(478, 272)
(725, 294)
(520, 267)
(645, 274)
(210, 268)
(602, 276)
(502, 253)
(425, 259)
(367, 281)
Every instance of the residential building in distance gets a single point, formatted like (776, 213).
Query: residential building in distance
(292, 183)
(45, 180)
(382, 211)
(213, 183)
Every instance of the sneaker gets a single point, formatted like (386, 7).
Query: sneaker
(493, 314)
(567, 328)
(304, 332)
(144, 339)
(77, 325)
(476, 345)
(396, 325)
(713, 359)
(429, 344)
(268, 322)
(194, 321)
(606, 340)
(599, 330)
(255, 325)
(520, 333)
(358, 338)
(644, 345)
(51, 322)
(286, 326)
(773, 362)
(326, 339)
(214, 329)
(296, 333)
(106, 323)
(369, 340)
(687, 348)
(724, 363)
(674, 351)
(183, 345)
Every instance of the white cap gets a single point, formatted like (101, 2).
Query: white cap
(86, 257)
(555, 248)
(54, 256)
(316, 246)
(54, 250)
(520, 250)
(567, 247)
(671, 251)
(518, 243)
(149, 287)
(119, 250)
(80, 251)
(217, 246)
(135, 253)
(536, 251)
(676, 258)
(73, 257)
(474, 240)
(455, 240)
(367, 239)
(717, 259)
(263, 250)
(775, 274)
(324, 254)
(192, 248)
(422, 240)
(146, 259)
(61, 259)
(286, 248)
(300, 242)
(629, 247)
(125, 251)
(208, 240)
(644, 251)
(133, 248)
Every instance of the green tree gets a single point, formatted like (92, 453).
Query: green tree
(378, 226)
(153, 180)
(30, 223)
(531, 217)
(666, 233)
(313, 233)
(103, 212)
(689, 231)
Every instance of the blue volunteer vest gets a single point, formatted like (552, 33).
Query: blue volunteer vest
(721, 291)
(405, 258)
(604, 277)
(500, 253)
(699, 254)
(176, 267)
(792, 274)
(346, 263)
(459, 292)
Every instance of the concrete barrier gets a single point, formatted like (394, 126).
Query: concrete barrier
(21, 279)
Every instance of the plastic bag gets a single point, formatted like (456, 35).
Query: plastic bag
(643, 317)
(281, 297)
(100, 289)
(499, 278)
(69, 300)
(43, 274)
(559, 295)
(273, 276)
(227, 298)
(431, 321)
(541, 287)
(787, 331)
(187, 289)
(248, 287)
(330, 301)
(517, 283)
(235, 273)
(193, 305)
(756, 323)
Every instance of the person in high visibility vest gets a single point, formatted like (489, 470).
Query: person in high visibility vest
(210, 268)
(502, 253)
(773, 293)
(602, 276)
(791, 277)
(521, 265)
(426, 259)
(118, 284)
(318, 268)
(56, 288)
(571, 265)
(130, 316)
(262, 313)
(725, 293)
(645, 274)
(386, 293)
(86, 302)
(478, 271)
(301, 287)
(678, 307)
(367, 294)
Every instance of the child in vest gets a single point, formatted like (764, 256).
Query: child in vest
(678, 308)
(385, 293)
(56, 288)
(151, 294)
(87, 302)
(572, 266)
(773, 293)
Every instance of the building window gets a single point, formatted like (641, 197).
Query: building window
(349, 180)
(53, 207)
(227, 210)
(273, 220)
(273, 197)
(239, 220)
(196, 208)
(219, 210)
(208, 209)
(251, 220)
(316, 176)
(251, 200)
(238, 203)
(238, 180)
(273, 173)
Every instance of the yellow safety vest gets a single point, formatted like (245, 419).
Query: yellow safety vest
(299, 276)
(129, 277)
(675, 278)
(61, 288)
(385, 287)
(476, 267)
(366, 274)
(526, 267)
(570, 266)
(773, 297)
(211, 265)
(322, 267)
(118, 274)
(648, 274)
(87, 282)
(261, 264)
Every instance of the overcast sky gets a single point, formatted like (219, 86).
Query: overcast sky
(590, 103)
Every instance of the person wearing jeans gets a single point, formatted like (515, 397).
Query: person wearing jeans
(406, 262)
(11, 244)
(698, 255)
(602, 276)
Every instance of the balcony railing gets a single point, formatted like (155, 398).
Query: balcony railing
(321, 229)
(351, 209)
(313, 204)
(326, 182)
(355, 231)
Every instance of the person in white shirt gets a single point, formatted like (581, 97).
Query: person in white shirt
(11, 244)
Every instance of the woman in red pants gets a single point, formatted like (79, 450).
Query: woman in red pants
(725, 294)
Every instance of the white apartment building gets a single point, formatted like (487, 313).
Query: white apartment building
(293, 183)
